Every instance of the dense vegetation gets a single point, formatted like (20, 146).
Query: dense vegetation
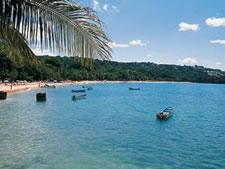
(64, 68)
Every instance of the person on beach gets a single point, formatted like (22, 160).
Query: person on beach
(11, 86)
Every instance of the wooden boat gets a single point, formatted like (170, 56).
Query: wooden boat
(165, 114)
(88, 87)
(132, 88)
(79, 97)
(79, 91)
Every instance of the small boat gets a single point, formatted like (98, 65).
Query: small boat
(79, 91)
(165, 114)
(79, 97)
(88, 87)
(132, 88)
(48, 86)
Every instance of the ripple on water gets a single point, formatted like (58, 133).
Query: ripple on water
(115, 128)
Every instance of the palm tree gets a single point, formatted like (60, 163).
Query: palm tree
(61, 26)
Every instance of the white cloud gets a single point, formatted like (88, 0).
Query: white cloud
(219, 63)
(95, 5)
(40, 52)
(222, 42)
(215, 22)
(189, 61)
(127, 45)
(188, 27)
(163, 63)
(106, 7)
(149, 55)
(115, 45)
(114, 8)
(137, 43)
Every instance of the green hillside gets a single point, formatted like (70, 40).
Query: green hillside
(65, 68)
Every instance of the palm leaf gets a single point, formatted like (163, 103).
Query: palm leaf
(60, 26)
(15, 47)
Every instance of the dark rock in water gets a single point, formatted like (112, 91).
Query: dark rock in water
(41, 97)
(3, 95)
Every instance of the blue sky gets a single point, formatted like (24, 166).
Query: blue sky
(165, 31)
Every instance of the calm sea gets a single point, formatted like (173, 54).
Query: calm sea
(114, 128)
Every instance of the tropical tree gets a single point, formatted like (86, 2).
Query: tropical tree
(61, 26)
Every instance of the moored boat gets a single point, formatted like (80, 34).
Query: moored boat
(79, 91)
(79, 97)
(165, 114)
(88, 87)
(134, 88)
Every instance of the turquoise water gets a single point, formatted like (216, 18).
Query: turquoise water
(115, 128)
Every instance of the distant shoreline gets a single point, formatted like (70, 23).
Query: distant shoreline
(17, 88)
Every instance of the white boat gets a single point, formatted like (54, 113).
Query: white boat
(75, 98)
(165, 114)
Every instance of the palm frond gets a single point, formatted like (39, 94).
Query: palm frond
(14, 46)
(61, 26)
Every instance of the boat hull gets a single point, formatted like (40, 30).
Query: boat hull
(165, 114)
(163, 117)
(134, 88)
(87, 87)
(78, 91)
(75, 98)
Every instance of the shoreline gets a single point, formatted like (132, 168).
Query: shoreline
(18, 88)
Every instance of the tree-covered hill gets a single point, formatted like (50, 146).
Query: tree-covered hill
(65, 68)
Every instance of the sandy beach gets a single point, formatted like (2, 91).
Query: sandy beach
(12, 88)
(15, 88)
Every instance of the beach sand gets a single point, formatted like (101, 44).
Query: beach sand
(12, 88)
(15, 88)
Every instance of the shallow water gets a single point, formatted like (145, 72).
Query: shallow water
(115, 128)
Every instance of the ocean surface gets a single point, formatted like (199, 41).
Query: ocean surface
(114, 128)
